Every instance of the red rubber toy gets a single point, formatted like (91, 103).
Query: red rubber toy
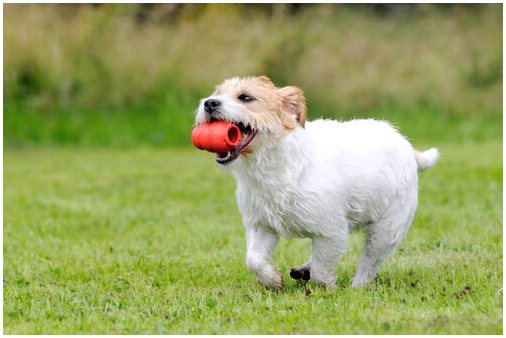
(216, 137)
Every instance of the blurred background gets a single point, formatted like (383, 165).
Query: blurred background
(125, 75)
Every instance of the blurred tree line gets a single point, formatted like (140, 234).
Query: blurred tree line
(133, 73)
(150, 12)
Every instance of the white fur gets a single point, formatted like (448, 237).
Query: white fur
(322, 181)
(426, 159)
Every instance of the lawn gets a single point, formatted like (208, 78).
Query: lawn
(148, 241)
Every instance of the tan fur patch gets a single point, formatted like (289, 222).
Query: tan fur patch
(282, 107)
(294, 103)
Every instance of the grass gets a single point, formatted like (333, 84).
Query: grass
(168, 122)
(147, 241)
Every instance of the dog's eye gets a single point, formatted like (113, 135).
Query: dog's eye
(245, 98)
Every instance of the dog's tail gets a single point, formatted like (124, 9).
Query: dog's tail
(426, 159)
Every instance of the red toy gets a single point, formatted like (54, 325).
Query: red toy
(216, 137)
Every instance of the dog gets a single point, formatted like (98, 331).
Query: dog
(317, 180)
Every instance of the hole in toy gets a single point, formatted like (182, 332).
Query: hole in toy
(233, 135)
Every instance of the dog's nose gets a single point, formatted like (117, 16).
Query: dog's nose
(211, 105)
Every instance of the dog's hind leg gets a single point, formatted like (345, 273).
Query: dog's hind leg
(384, 236)
(260, 249)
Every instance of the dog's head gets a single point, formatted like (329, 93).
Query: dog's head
(257, 107)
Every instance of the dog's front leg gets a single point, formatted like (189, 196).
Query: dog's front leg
(260, 248)
(326, 252)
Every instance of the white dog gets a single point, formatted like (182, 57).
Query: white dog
(316, 179)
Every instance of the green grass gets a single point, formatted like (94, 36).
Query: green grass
(164, 118)
(150, 241)
(168, 120)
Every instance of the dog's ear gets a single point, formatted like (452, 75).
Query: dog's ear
(264, 79)
(294, 106)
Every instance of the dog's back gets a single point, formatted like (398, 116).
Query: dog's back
(364, 162)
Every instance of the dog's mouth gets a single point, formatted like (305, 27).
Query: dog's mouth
(247, 135)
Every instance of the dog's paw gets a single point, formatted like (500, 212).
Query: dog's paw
(274, 284)
(300, 273)
(364, 275)
(362, 279)
(323, 277)
(356, 283)
(270, 277)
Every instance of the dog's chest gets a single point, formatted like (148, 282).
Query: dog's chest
(274, 207)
